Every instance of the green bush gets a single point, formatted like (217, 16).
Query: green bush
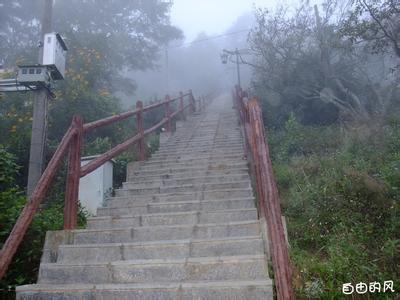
(49, 216)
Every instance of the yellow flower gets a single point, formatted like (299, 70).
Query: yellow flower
(104, 93)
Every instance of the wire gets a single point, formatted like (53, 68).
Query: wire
(210, 38)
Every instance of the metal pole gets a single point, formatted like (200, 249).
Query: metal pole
(237, 66)
(39, 122)
(167, 69)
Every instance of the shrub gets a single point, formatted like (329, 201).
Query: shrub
(341, 192)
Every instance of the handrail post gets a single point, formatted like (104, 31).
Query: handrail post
(140, 129)
(181, 106)
(73, 175)
(192, 103)
(168, 114)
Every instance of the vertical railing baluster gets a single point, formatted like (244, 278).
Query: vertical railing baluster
(168, 114)
(140, 130)
(192, 103)
(181, 106)
(73, 175)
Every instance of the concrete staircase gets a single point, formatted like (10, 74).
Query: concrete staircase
(183, 226)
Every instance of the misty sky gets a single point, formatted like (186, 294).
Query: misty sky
(211, 16)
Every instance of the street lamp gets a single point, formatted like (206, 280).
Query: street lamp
(226, 54)
(224, 58)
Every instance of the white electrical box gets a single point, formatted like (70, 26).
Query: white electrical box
(95, 187)
(33, 75)
(54, 55)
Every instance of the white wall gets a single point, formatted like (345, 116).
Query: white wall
(95, 186)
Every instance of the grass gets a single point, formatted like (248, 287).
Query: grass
(340, 189)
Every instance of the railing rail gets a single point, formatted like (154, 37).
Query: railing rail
(73, 141)
(257, 150)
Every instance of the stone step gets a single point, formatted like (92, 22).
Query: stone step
(209, 139)
(171, 249)
(146, 170)
(171, 199)
(191, 184)
(203, 137)
(199, 148)
(203, 144)
(147, 166)
(190, 158)
(146, 206)
(179, 206)
(206, 136)
(135, 176)
(244, 267)
(201, 195)
(189, 175)
(132, 216)
(221, 290)
(158, 182)
(191, 163)
(196, 187)
(204, 154)
(171, 232)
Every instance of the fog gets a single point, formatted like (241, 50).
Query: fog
(197, 64)
(325, 74)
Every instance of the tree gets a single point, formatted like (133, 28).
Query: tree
(376, 22)
(19, 33)
(303, 65)
(103, 37)
(126, 34)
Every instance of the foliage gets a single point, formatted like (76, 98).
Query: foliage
(49, 217)
(341, 194)
(304, 65)
(130, 38)
(377, 22)
(99, 53)
(332, 106)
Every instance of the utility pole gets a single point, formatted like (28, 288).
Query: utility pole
(226, 54)
(167, 68)
(237, 66)
(39, 122)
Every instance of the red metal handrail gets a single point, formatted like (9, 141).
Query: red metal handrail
(100, 160)
(250, 116)
(127, 114)
(73, 141)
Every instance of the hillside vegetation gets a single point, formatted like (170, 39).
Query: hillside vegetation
(328, 80)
